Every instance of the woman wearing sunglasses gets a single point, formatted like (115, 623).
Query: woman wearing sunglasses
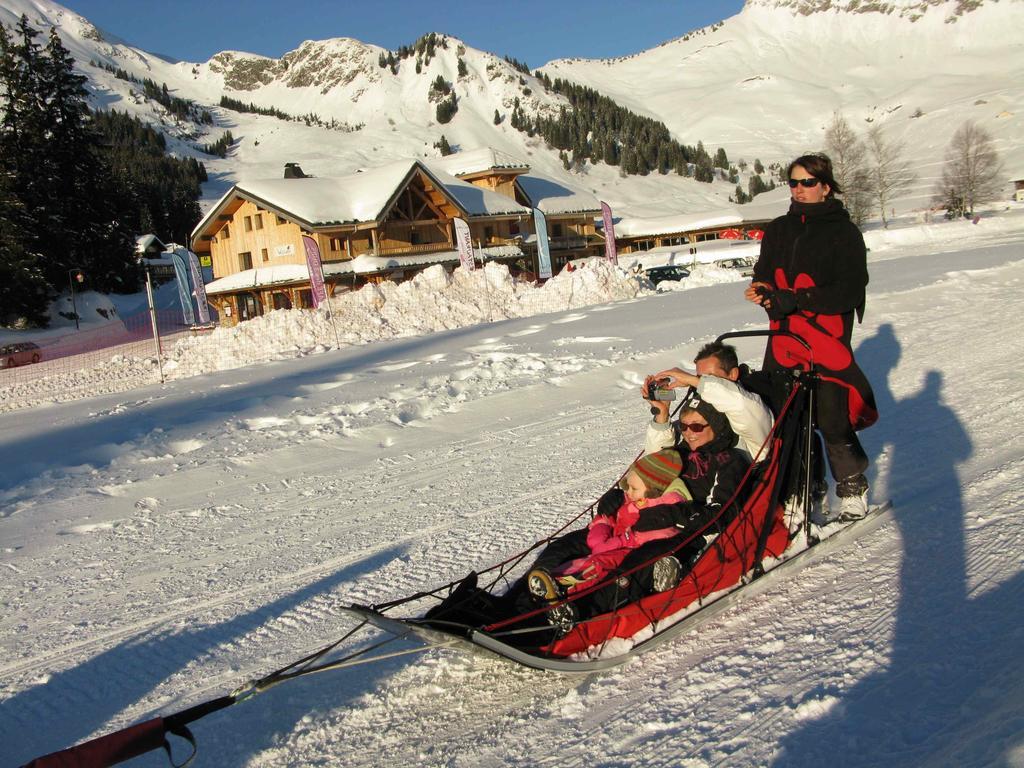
(811, 278)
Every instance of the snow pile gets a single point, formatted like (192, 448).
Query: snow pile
(432, 301)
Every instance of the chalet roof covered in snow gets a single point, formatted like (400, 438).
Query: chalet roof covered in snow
(479, 160)
(288, 274)
(358, 197)
(556, 197)
(770, 205)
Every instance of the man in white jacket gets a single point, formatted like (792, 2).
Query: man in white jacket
(716, 381)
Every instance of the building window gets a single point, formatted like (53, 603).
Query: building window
(335, 244)
(644, 245)
(556, 230)
(513, 227)
(488, 234)
(248, 223)
(281, 220)
(259, 221)
(245, 260)
(264, 254)
(225, 232)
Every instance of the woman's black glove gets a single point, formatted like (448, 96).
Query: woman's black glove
(609, 503)
(780, 304)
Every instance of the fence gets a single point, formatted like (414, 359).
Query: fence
(71, 357)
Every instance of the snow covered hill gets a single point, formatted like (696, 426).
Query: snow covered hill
(766, 82)
(761, 84)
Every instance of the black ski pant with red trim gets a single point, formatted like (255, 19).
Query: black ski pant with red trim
(846, 456)
(622, 587)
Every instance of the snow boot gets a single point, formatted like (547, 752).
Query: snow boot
(666, 574)
(543, 586)
(562, 618)
(852, 499)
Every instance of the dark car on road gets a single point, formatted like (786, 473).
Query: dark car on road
(669, 272)
(22, 353)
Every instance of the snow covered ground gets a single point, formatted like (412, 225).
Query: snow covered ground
(164, 545)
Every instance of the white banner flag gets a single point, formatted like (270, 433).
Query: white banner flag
(464, 241)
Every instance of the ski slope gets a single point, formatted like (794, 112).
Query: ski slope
(162, 546)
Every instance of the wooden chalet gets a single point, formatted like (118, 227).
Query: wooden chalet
(569, 212)
(382, 223)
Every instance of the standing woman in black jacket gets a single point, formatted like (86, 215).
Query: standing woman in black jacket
(810, 278)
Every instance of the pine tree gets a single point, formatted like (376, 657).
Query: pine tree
(497, 117)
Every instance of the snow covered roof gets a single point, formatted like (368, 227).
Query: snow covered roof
(368, 264)
(284, 274)
(476, 201)
(556, 197)
(150, 242)
(477, 161)
(731, 216)
(359, 197)
(259, 277)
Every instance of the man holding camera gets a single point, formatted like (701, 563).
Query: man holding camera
(717, 382)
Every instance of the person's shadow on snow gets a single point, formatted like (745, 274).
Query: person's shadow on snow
(951, 692)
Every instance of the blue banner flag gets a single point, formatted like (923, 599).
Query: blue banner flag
(184, 291)
(540, 224)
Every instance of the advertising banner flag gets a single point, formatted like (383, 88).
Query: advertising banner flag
(316, 270)
(184, 293)
(609, 234)
(198, 288)
(465, 243)
(540, 224)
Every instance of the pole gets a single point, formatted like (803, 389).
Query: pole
(156, 330)
(487, 285)
(74, 305)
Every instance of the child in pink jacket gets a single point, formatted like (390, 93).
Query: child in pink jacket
(610, 538)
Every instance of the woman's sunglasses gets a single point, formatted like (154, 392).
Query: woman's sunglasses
(693, 426)
(804, 183)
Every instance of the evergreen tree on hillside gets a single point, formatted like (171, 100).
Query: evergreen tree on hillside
(70, 208)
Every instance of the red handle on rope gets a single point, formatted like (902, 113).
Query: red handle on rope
(107, 750)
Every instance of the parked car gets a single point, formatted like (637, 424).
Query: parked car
(669, 272)
(22, 353)
(744, 266)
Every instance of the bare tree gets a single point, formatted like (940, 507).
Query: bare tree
(973, 172)
(891, 173)
(850, 166)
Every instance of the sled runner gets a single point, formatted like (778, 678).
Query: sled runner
(758, 538)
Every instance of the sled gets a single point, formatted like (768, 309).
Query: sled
(753, 548)
(834, 537)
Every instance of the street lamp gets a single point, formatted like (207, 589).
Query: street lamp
(75, 275)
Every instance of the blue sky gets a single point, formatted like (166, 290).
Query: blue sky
(532, 31)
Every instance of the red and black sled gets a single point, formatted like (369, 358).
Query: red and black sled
(753, 545)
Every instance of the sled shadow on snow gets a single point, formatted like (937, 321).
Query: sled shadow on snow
(55, 715)
(952, 692)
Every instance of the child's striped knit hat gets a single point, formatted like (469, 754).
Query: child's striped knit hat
(658, 470)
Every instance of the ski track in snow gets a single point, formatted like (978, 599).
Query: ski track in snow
(191, 555)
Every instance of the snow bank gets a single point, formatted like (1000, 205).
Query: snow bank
(432, 301)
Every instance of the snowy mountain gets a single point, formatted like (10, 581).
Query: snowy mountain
(761, 84)
(766, 81)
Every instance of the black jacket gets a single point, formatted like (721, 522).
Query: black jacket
(818, 254)
(713, 474)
